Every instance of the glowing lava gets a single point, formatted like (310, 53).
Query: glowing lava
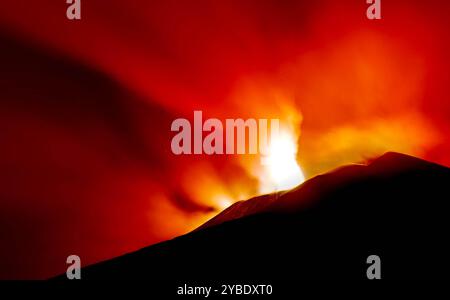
(281, 166)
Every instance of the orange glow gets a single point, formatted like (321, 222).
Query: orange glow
(360, 98)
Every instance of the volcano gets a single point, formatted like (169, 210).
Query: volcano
(395, 207)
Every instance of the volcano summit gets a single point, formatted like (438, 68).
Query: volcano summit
(396, 207)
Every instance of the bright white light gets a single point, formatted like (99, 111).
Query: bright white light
(223, 202)
(284, 173)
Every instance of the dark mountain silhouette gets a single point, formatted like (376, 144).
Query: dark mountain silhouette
(395, 207)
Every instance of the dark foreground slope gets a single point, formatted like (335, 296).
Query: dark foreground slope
(397, 207)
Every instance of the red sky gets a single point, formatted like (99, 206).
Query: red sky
(86, 108)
